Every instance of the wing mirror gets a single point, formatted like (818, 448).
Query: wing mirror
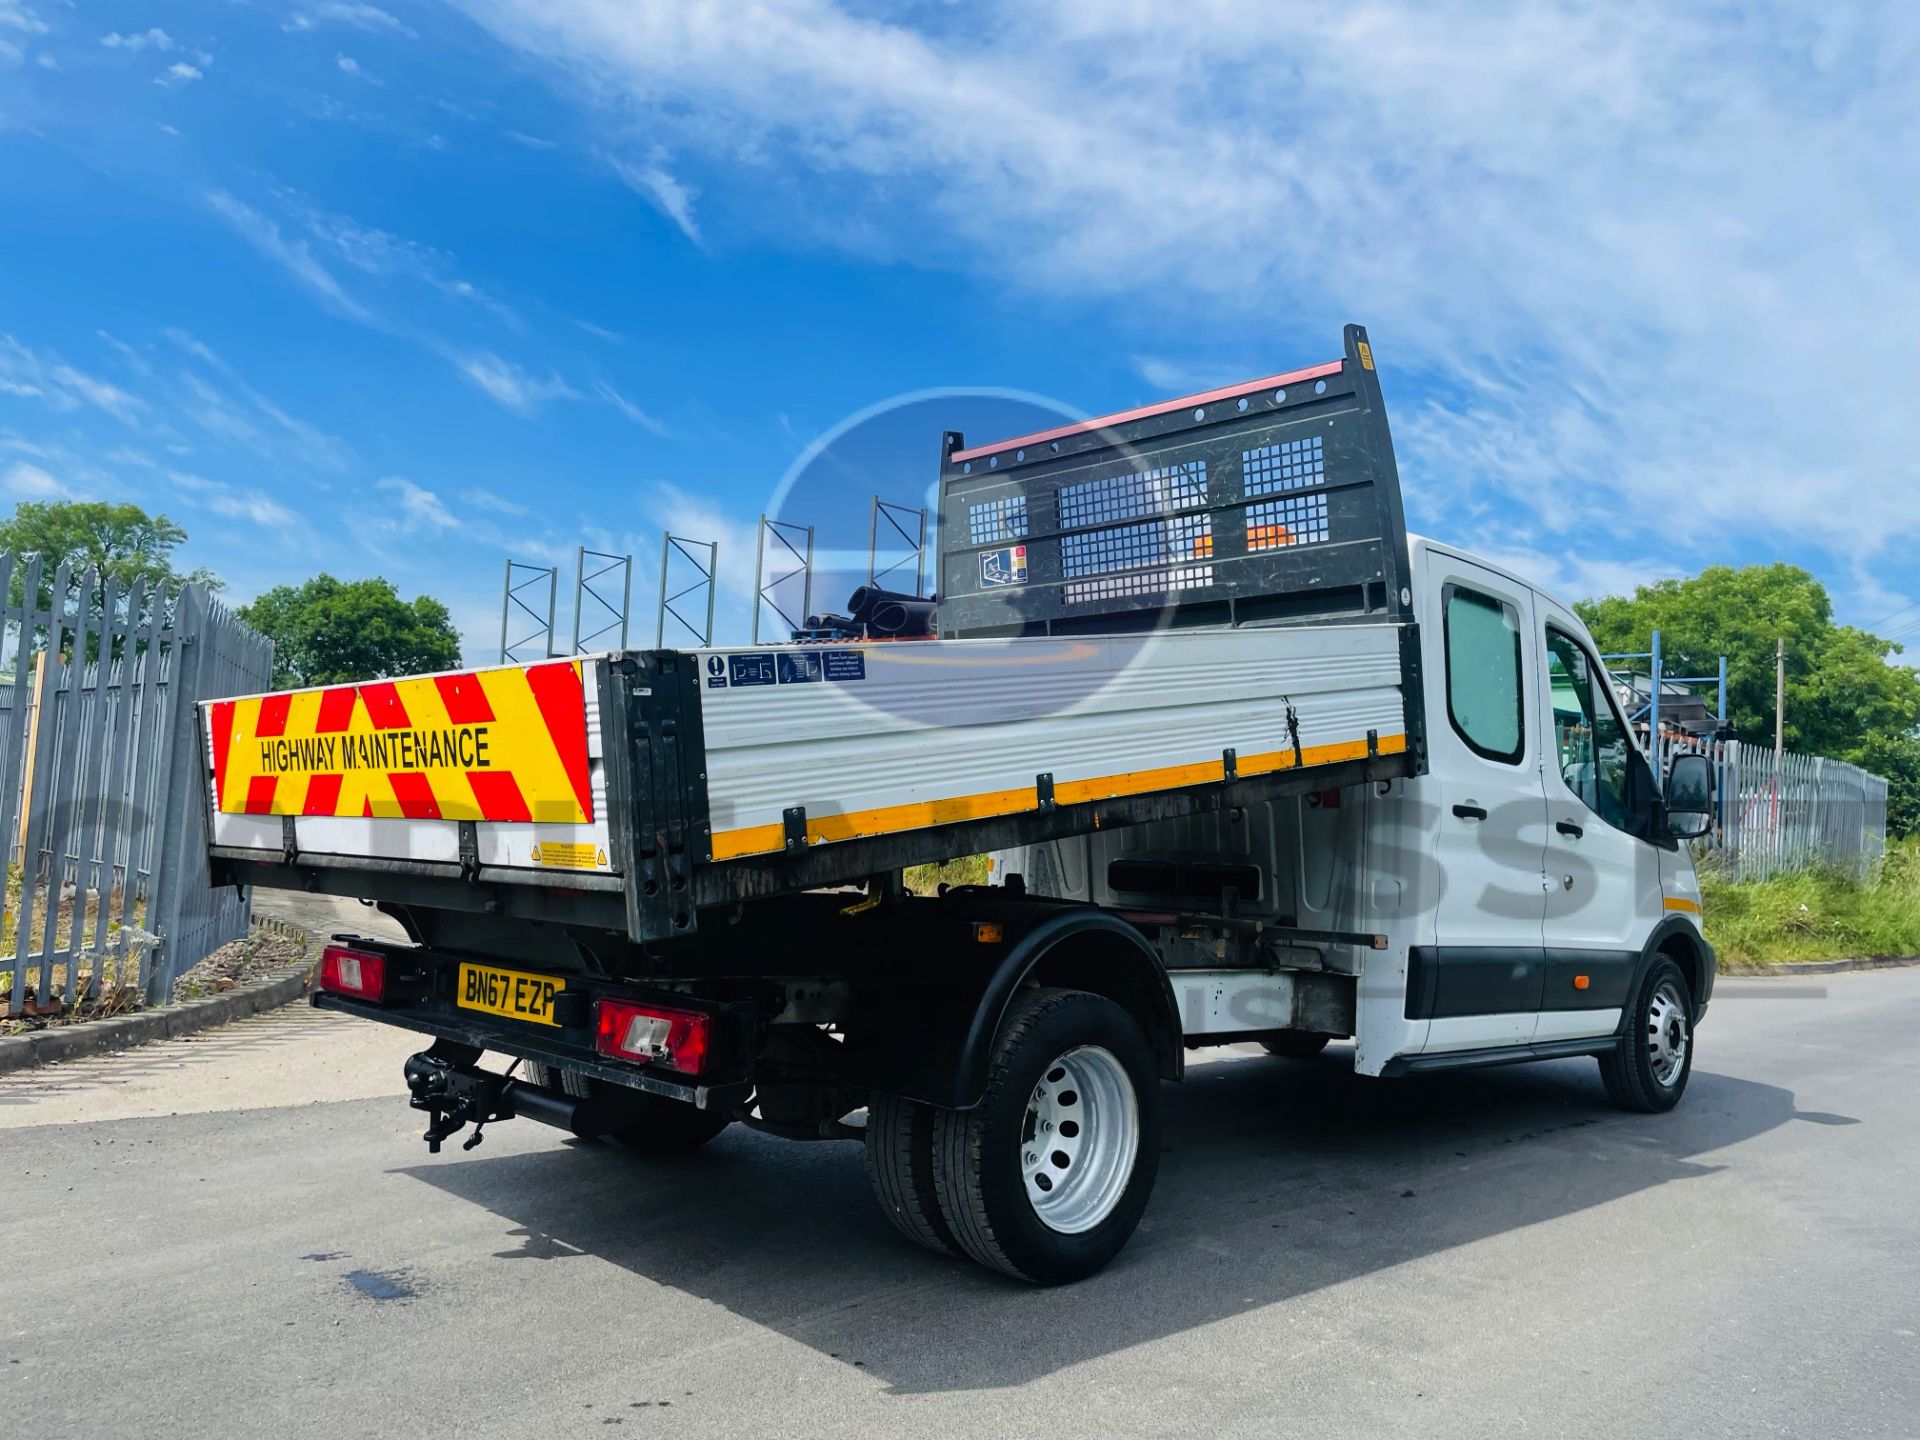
(1689, 796)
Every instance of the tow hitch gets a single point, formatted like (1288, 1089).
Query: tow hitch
(454, 1091)
(447, 1082)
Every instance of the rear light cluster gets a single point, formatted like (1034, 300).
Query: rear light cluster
(359, 973)
(652, 1035)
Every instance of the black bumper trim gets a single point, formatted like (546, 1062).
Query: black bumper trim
(1497, 1055)
(721, 1096)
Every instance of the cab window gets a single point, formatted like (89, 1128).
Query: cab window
(1483, 674)
(1589, 737)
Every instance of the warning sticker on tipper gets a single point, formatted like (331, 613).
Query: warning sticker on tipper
(505, 744)
(750, 669)
(568, 855)
(798, 667)
(844, 665)
(1005, 566)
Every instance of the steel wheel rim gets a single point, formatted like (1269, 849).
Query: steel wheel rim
(1666, 1034)
(1080, 1140)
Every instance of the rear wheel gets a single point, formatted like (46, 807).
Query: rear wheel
(1295, 1044)
(900, 1169)
(1649, 1069)
(1047, 1177)
(669, 1127)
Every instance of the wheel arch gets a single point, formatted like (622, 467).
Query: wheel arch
(929, 1037)
(1680, 941)
(1104, 956)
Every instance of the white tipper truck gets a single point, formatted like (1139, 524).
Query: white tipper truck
(1252, 765)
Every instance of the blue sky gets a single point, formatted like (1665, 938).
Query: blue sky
(408, 288)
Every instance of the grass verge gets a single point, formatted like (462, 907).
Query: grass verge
(927, 879)
(1817, 914)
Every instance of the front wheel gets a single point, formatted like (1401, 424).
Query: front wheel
(1047, 1177)
(1649, 1069)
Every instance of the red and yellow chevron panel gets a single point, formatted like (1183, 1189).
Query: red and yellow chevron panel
(507, 744)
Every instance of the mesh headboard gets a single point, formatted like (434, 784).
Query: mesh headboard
(1270, 500)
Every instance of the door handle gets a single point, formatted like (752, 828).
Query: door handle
(1470, 812)
(1568, 828)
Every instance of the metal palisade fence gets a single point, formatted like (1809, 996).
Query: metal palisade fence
(1778, 811)
(101, 805)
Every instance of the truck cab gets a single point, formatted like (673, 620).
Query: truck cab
(1554, 870)
(1524, 884)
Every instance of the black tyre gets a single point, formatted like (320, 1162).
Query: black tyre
(1047, 1177)
(669, 1127)
(900, 1169)
(1295, 1044)
(1649, 1070)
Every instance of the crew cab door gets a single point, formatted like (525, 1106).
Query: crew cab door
(1603, 866)
(1480, 983)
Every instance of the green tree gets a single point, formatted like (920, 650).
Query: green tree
(122, 542)
(329, 632)
(1848, 696)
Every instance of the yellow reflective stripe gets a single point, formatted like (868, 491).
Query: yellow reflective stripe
(1680, 902)
(925, 814)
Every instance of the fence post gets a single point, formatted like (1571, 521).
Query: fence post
(1732, 807)
(179, 807)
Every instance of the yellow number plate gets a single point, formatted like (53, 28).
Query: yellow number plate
(508, 992)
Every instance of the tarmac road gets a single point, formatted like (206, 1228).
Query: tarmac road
(241, 1235)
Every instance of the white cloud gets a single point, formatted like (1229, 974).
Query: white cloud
(295, 256)
(1651, 261)
(667, 194)
(27, 374)
(347, 64)
(499, 504)
(19, 17)
(126, 352)
(510, 385)
(178, 73)
(1171, 377)
(420, 508)
(627, 408)
(154, 39)
(218, 414)
(370, 18)
(233, 502)
(15, 15)
(98, 393)
(30, 482)
(380, 252)
(73, 476)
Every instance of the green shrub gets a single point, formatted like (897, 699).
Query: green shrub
(1818, 914)
(967, 870)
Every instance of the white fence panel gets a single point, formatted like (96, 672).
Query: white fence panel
(1780, 812)
(106, 875)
